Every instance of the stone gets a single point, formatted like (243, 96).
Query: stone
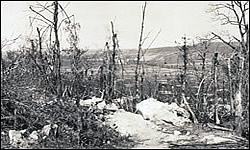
(177, 132)
(111, 107)
(89, 102)
(16, 137)
(159, 112)
(101, 105)
(34, 135)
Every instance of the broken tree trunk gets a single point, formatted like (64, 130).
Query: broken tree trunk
(185, 61)
(114, 35)
(139, 53)
(189, 109)
(230, 87)
(238, 100)
(57, 54)
(216, 117)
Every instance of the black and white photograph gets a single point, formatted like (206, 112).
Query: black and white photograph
(124, 74)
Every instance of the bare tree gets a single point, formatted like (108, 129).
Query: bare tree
(236, 13)
(5, 43)
(215, 70)
(112, 63)
(137, 74)
(54, 24)
(202, 49)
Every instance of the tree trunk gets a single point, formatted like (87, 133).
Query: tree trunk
(139, 53)
(184, 48)
(40, 45)
(57, 54)
(230, 88)
(238, 100)
(216, 117)
(113, 62)
(189, 109)
(203, 98)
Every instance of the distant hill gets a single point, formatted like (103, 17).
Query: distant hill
(169, 55)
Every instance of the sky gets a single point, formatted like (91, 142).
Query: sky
(173, 19)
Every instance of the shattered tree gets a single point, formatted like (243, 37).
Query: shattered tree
(236, 13)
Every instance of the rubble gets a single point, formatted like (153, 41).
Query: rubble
(18, 140)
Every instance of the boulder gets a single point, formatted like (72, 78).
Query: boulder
(159, 112)
(16, 139)
(148, 107)
(176, 109)
(33, 135)
(90, 102)
(47, 129)
(101, 105)
(177, 132)
(111, 106)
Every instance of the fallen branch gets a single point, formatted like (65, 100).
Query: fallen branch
(212, 126)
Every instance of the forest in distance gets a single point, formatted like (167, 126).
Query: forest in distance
(191, 95)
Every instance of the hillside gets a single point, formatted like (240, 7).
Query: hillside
(169, 55)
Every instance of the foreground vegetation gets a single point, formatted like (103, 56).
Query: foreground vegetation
(78, 126)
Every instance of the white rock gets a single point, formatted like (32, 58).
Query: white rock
(111, 107)
(89, 102)
(124, 100)
(177, 132)
(46, 129)
(101, 105)
(23, 131)
(128, 123)
(2, 133)
(148, 107)
(97, 99)
(16, 137)
(176, 109)
(33, 135)
(108, 142)
(164, 130)
(159, 112)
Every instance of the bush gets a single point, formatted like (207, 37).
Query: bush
(78, 127)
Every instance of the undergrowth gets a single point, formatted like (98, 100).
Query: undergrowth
(78, 126)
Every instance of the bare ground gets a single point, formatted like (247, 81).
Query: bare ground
(149, 134)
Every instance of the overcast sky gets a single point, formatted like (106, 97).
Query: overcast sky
(174, 19)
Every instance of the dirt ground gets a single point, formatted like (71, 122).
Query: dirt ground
(149, 134)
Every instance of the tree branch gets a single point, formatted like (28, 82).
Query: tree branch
(224, 41)
(41, 15)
